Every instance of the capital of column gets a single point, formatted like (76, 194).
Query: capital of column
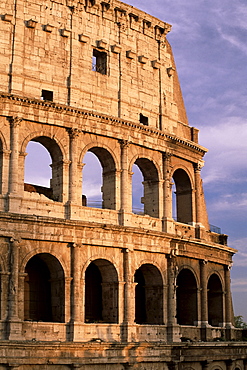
(74, 245)
(228, 267)
(167, 155)
(15, 242)
(14, 121)
(198, 166)
(124, 143)
(73, 132)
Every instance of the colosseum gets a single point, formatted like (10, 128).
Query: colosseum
(105, 286)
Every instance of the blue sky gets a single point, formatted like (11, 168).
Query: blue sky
(209, 41)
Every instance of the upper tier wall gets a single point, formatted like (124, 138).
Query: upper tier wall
(102, 56)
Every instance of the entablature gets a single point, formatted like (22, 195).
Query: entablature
(71, 117)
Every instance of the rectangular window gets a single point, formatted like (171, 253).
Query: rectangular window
(143, 119)
(99, 60)
(47, 95)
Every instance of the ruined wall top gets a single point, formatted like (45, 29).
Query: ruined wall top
(104, 56)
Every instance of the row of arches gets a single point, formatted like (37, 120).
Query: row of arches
(44, 293)
(44, 174)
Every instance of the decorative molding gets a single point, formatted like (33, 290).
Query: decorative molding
(31, 23)
(116, 49)
(83, 38)
(7, 17)
(114, 120)
(170, 71)
(101, 44)
(156, 64)
(130, 54)
(142, 59)
(65, 33)
(48, 28)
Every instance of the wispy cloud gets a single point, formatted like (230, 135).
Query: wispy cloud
(239, 285)
(233, 40)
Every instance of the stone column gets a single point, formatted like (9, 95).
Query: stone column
(167, 194)
(204, 299)
(75, 289)
(129, 297)
(228, 303)
(14, 277)
(76, 274)
(172, 327)
(67, 288)
(229, 364)
(125, 181)
(124, 175)
(14, 156)
(228, 298)
(4, 295)
(22, 295)
(198, 200)
(204, 292)
(14, 324)
(198, 207)
(73, 189)
(5, 171)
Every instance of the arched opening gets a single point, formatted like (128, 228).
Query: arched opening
(101, 292)
(44, 168)
(137, 191)
(149, 190)
(186, 298)
(183, 195)
(99, 179)
(215, 301)
(148, 295)
(44, 296)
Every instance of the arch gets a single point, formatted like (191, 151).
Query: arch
(186, 293)
(150, 183)
(55, 191)
(108, 188)
(44, 289)
(215, 301)
(101, 292)
(148, 295)
(183, 194)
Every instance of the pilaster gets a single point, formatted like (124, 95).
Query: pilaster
(14, 325)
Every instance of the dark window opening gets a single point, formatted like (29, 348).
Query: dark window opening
(186, 298)
(44, 297)
(93, 293)
(215, 301)
(47, 95)
(99, 61)
(101, 293)
(143, 119)
(148, 295)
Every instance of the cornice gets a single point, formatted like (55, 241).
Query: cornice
(78, 112)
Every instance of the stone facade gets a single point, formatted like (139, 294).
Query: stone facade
(104, 288)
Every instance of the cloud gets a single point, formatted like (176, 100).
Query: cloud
(233, 40)
(239, 285)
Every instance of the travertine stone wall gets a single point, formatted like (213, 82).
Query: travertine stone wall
(48, 45)
(104, 288)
